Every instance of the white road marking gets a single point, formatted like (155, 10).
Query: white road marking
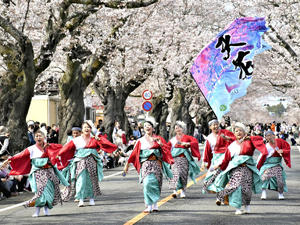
(23, 203)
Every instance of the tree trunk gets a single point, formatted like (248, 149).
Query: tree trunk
(16, 91)
(71, 105)
(180, 111)
(160, 112)
(114, 111)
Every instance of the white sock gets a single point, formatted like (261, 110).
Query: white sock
(238, 211)
(247, 208)
(280, 195)
(149, 208)
(92, 202)
(46, 210)
(154, 206)
(37, 212)
(81, 202)
(264, 193)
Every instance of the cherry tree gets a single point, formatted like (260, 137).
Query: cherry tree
(30, 34)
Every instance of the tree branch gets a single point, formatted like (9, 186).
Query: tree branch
(14, 32)
(116, 4)
(57, 33)
(278, 87)
(25, 17)
(283, 42)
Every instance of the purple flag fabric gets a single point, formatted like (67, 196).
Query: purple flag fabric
(223, 70)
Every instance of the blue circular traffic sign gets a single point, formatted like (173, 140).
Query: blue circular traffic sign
(147, 106)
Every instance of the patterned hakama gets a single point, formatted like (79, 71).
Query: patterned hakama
(211, 176)
(274, 172)
(151, 177)
(83, 175)
(239, 177)
(180, 170)
(48, 192)
(273, 175)
(184, 166)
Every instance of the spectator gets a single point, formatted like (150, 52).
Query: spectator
(36, 126)
(4, 141)
(136, 132)
(53, 135)
(9, 183)
(44, 129)
(30, 132)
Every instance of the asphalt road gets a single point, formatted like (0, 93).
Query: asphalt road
(122, 201)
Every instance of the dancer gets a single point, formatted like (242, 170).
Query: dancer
(272, 172)
(184, 163)
(239, 174)
(86, 167)
(69, 191)
(39, 162)
(150, 157)
(215, 146)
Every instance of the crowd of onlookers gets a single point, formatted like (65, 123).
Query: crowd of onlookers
(13, 185)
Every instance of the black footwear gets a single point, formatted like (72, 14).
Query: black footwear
(218, 202)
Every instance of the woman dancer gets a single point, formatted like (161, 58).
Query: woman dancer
(86, 167)
(215, 146)
(150, 157)
(184, 163)
(239, 174)
(38, 160)
(272, 172)
(69, 191)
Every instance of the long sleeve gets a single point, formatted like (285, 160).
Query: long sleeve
(66, 153)
(20, 163)
(166, 151)
(53, 151)
(106, 145)
(226, 160)
(282, 144)
(207, 154)
(258, 143)
(194, 147)
(134, 157)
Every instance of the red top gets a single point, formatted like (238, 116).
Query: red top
(247, 147)
(21, 164)
(194, 145)
(220, 147)
(68, 150)
(102, 135)
(283, 145)
(165, 150)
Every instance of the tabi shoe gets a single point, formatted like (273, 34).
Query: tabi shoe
(154, 208)
(280, 196)
(263, 195)
(148, 209)
(238, 212)
(46, 211)
(80, 204)
(92, 202)
(218, 202)
(174, 195)
(182, 194)
(247, 209)
(37, 212)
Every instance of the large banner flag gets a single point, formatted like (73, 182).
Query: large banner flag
(223, 69)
